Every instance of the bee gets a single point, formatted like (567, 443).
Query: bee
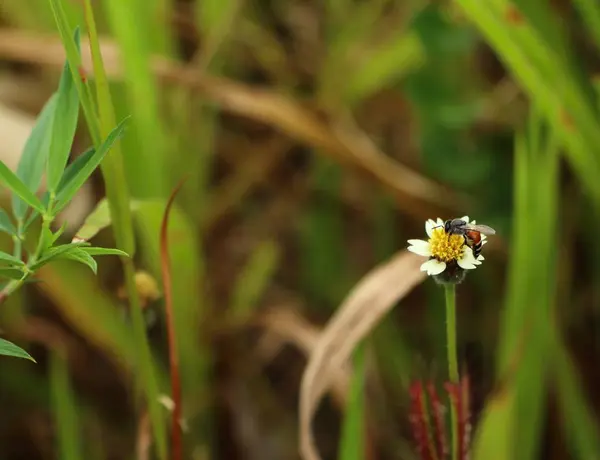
(471, 233)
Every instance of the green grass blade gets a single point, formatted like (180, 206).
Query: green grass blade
(353, 429)
(65, 412)
(549, 82)
(120, 205)
(579, 422)
(142, 89)
(112, 168)
(590, 13)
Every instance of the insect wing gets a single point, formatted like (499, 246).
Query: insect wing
(481, 229)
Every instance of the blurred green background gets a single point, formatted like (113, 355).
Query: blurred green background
(316, 138)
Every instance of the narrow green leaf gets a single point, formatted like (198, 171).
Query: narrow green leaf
(8, 178)
(45, 240)
(63, 127)
(65, 408)
(59, 233)
(80, 255)
(93, 251)
(66, 193)
(6, 224)
(99, 219)
(74, 58)
(35, 155)
(35, 214)
(76, 166)
(4, 257)
(10, 349)
(55, 252)
(11, 273)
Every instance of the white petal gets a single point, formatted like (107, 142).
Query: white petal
(429, 227)
(466, 265)
(465, 218)
(467, 261)
(420, 247)
(439, 222)
(433, 267)
(480, 257)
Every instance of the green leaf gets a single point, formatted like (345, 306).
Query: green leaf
(11, 273)
(93, 251)
(99, 219)
(10, 349)
(8, 178)
(87, 167)
(55, 252)
(4, 257)
(35, 214)
(80, 255)
(35, 154)
(63, 126)
(59, 232)
(75, 167)
(6, 224)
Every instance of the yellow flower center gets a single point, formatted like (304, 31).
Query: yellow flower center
(445, 247)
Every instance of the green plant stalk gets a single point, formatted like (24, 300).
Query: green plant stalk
(353, 430)
(450, 294)
(14, 285)
(117, 196)
(69, 438)
(75, 64)
(141, 86)
(118, 201)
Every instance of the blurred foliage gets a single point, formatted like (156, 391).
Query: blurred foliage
(316, 137)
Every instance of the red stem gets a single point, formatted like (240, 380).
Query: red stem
(176, 441)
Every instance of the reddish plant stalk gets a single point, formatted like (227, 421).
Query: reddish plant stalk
(176, 434)
(438, 418)
(418, 419)
(431, 435)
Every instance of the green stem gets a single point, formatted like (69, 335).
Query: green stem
(452, 359)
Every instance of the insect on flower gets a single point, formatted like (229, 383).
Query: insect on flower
(472, 233)
(453, 247)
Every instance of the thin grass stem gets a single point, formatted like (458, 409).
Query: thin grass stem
(450, 294)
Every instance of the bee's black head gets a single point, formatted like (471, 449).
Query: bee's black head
(448, 225)
(453, 225)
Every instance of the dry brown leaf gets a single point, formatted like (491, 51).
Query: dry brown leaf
(362, 310)
(417, 195)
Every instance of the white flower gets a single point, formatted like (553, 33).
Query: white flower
(443, 249)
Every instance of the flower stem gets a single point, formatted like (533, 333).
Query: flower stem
(452, 359)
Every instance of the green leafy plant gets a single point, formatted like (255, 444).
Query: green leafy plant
(47, 149)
